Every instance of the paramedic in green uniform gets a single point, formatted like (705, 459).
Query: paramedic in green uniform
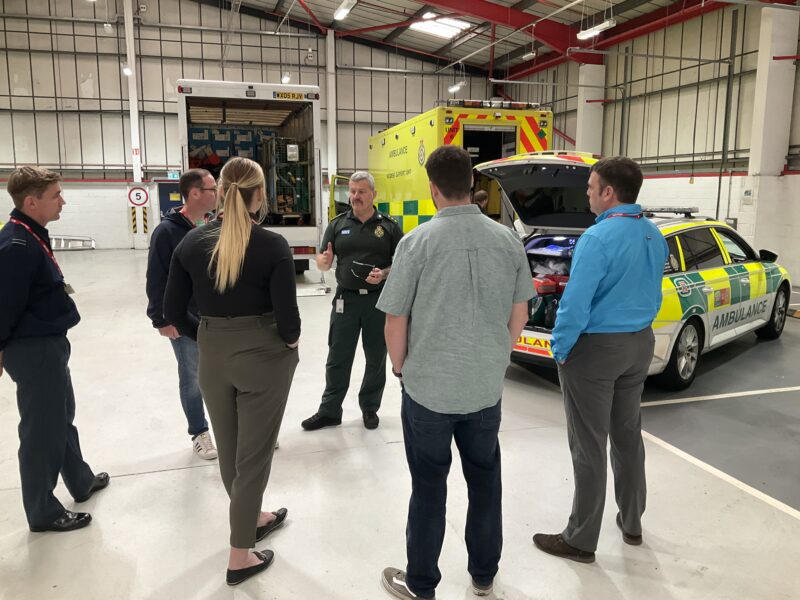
(363, 241)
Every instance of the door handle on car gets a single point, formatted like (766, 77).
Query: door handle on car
(708, 290)
(744, 279)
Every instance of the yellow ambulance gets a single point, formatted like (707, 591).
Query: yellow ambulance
(487, 129)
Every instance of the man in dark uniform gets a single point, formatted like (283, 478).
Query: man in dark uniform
(363, 241)
(35, 314)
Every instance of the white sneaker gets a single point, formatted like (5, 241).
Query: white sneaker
(204, 446)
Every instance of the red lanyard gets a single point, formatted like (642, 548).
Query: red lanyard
(47, 250)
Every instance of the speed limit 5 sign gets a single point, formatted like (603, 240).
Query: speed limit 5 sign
(137, 196)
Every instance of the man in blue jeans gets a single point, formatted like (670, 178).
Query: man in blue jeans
(199, 192)
(455, 302)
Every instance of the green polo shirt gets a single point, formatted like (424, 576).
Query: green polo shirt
(371, 243)
(457, 277)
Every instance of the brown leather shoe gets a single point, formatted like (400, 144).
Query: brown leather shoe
(555, 545)
(633, 540)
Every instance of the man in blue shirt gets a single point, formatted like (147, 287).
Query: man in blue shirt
(603, 343)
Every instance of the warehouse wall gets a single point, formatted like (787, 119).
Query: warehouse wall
(673, 110)
(63, 97)
(70, 74)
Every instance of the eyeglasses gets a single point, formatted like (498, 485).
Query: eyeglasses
(361, 267)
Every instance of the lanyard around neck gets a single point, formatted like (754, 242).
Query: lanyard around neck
(47, 250)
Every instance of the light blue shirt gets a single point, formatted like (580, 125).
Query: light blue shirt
(615, 280)
(457, 277)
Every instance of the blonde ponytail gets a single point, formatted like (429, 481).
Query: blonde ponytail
(240, 179)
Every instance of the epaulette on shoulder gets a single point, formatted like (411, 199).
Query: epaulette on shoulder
(19, 241)
(338, 216)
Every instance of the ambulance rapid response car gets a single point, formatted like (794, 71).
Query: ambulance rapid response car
(715, 287)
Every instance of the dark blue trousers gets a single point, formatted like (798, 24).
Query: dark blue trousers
(428, 437)
(48, 441)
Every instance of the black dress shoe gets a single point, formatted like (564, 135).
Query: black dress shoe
(101, 480)
(371, 419)
(555, 545)
(633, 540)
(318, 421)
(264, 531)
(66, 522)
(237, 576)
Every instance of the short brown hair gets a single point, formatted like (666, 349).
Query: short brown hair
(193, 178)
(480, 196)
(450, 169)
(29, 181)
(622, 174)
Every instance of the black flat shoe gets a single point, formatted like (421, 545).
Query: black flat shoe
(237, 576)
(101, 481)
(280, 517)
(66, 522)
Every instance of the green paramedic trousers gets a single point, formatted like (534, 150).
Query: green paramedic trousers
(359, 316)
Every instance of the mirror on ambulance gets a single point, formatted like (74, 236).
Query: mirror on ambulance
(767, 256)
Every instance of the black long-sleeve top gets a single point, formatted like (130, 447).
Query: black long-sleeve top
(266, 283)
(33, 300)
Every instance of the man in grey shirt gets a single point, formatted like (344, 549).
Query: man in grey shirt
(456, 301)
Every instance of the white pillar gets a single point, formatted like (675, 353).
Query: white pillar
(589, 135)
(772, 106)
(769, 211)
(330, 70)
(139, 238)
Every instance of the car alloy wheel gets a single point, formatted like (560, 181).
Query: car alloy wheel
(779, 314)
(688, 351)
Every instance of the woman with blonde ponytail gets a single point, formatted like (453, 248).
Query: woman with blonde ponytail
(242, 279)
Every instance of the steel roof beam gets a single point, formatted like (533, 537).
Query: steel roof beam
(479, 29)
(557, 36)
(398, 32)
(322, 29)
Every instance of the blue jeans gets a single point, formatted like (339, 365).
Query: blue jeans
(185, 349)
(428, 436)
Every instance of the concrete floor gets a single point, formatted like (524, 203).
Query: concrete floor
(160, 529)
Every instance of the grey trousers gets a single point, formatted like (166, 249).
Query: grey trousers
(602, 382)
(245, 373)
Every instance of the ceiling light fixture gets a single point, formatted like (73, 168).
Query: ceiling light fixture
(530, 54)
(344, 9)
(456, 86)
(587, 34)
(287, 77)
